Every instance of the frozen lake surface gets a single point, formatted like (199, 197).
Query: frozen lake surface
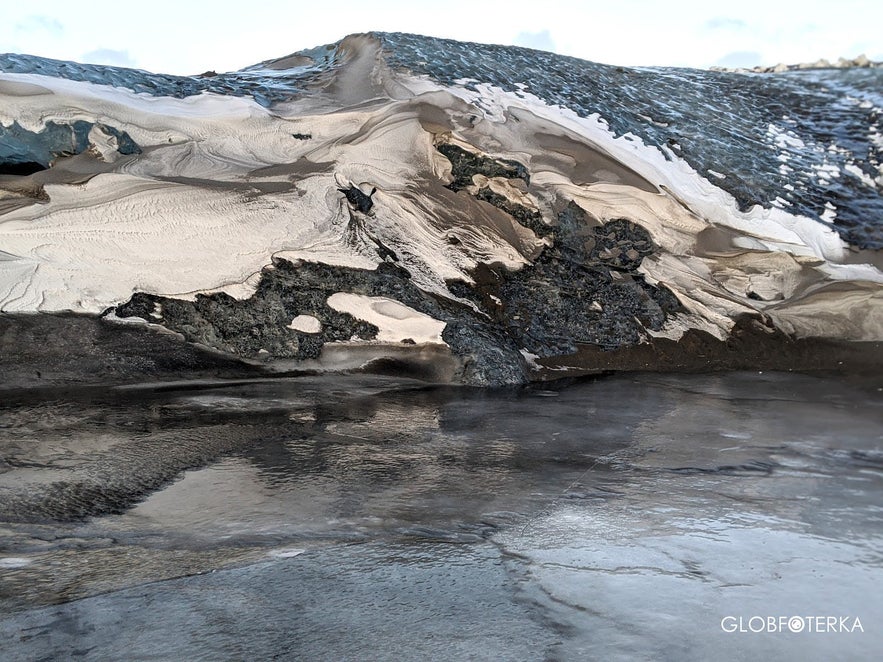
(351, 519)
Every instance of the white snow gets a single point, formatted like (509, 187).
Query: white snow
(530, 359)
(830, 213)
(94, 244)
(784, 138)
(396, 321)
(857, 172)
(286, 553)
(306, 324)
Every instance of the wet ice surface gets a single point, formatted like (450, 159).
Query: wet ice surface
(316, 519)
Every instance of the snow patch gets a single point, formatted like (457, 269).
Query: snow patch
(830, 213)
(306, 324)
(396, 321)
(286, 553)
(530, 359)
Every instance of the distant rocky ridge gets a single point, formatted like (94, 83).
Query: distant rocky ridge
(860, 61)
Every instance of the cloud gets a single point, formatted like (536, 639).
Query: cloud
(38, 23)
(721, 23)
(109, 56)
(542, 41)
(743, 59)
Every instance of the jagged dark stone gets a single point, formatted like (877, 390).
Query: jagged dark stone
(583, 289)
(620, 244)
(491, 357)
(302, 136)
(245, 327)
(526, 217)
(259, 324)
(465, 164)
(357, 199)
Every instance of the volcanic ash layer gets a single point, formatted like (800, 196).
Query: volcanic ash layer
(381, 220)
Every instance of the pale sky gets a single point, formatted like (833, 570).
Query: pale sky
(181, 37)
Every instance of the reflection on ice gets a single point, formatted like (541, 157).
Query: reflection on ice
(621, 517)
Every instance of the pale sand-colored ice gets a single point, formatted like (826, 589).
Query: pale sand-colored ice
(396, 321)
(92, 246)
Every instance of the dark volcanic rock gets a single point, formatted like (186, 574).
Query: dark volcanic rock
(357, 199)
(246, 327)
(526, 217)
(620, 244)
(583, 289)
(259, 325)
(465, 164)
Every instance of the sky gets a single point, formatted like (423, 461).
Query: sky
(181, 37)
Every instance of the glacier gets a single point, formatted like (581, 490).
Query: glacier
(460, 212)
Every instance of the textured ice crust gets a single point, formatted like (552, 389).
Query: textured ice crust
(338, 161)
